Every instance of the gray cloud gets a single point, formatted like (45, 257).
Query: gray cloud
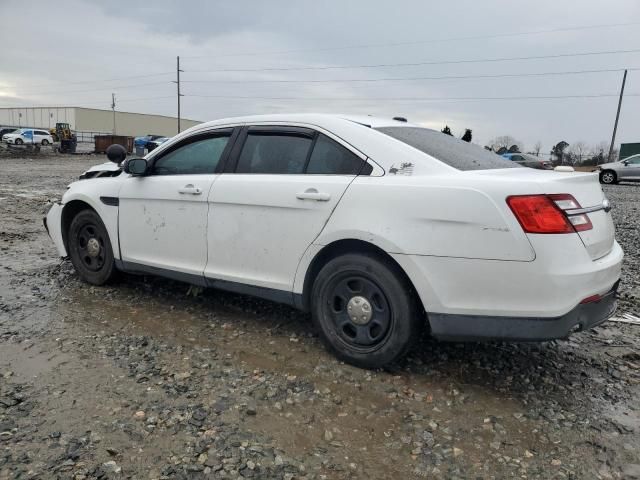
(109, 40)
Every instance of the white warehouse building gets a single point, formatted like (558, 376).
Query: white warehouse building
(93, 120)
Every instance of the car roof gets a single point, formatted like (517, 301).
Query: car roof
(319, 119)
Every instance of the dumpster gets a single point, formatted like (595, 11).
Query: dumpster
(103, 141)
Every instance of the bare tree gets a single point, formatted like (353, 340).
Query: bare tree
(579, 151)
(536, 148)
(601, 149)
(504, 141)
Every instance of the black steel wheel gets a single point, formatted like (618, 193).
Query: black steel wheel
(365, 310)
(359, 310)
(90, 249)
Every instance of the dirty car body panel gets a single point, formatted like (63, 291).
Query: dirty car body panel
(473, 235)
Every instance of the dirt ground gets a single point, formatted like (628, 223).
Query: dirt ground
(148, 378)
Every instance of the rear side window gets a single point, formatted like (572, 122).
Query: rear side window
(331, 158)
(274, 153)
(450, 150)
(198, 157)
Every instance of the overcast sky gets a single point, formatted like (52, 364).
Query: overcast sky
(79, 52)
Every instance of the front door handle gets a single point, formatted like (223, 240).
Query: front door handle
(313, 194)
(190, 189)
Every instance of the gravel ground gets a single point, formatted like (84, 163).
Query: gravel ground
(149, 378)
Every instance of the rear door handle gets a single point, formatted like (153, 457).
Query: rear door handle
(190, 189)
(313, 194)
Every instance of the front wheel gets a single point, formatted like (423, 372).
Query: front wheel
(365, 310)
(90, 248)
(608, 177)
(19, 141)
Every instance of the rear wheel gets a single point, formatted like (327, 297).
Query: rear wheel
(608, 177)
(90, 249)
(365, 310)
(45, 142)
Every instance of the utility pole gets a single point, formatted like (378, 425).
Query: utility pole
(177, 82)
(615, 125)
(113, 107)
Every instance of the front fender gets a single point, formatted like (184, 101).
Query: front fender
(95, 193)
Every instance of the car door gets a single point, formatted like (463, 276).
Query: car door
(163, 215)
(27, 136)
(631, 168)
(273, 200)
(39, 135)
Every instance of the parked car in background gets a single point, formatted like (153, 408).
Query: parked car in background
(627, 169)
(5, 130)
(527, 160)
(144, 140)
(28, 136)
(378, 227)
(153, 144)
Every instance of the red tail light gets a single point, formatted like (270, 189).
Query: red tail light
(557, 213)
(539, 214)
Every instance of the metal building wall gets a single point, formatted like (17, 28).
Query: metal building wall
(37, 117)
(130, 124)
(92, 120)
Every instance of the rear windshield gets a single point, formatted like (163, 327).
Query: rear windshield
(450, 150)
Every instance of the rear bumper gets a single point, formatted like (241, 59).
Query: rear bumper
(526, 329)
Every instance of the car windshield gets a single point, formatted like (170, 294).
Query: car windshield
(450, 150)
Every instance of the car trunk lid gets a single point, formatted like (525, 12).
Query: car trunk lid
(586, 189)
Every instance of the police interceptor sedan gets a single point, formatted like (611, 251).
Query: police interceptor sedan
(377, 227)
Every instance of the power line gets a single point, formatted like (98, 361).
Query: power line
(80, 82)
(416, 64)
(414, 99)
(422, 42)
(120, 87)
(81, 104)
(407, 79)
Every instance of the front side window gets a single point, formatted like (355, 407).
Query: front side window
(633, 160)
(330, 158)
(274, 153)
(197, 157)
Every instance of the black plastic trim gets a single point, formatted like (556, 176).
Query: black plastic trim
(278, 296)
(132, 267)
(523, 329)
(274, 295)
(111, 201)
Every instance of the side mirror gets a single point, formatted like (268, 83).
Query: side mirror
(136, 166)
(116, 153)
(626, 163)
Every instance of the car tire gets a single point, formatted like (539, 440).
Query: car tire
(18, 141)
(45, 142)
(90, 249)
(608, 177)
(367, 285)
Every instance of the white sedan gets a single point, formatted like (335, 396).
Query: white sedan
(28, 136)
(378, 227)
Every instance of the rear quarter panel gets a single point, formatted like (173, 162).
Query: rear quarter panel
(437, 216)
